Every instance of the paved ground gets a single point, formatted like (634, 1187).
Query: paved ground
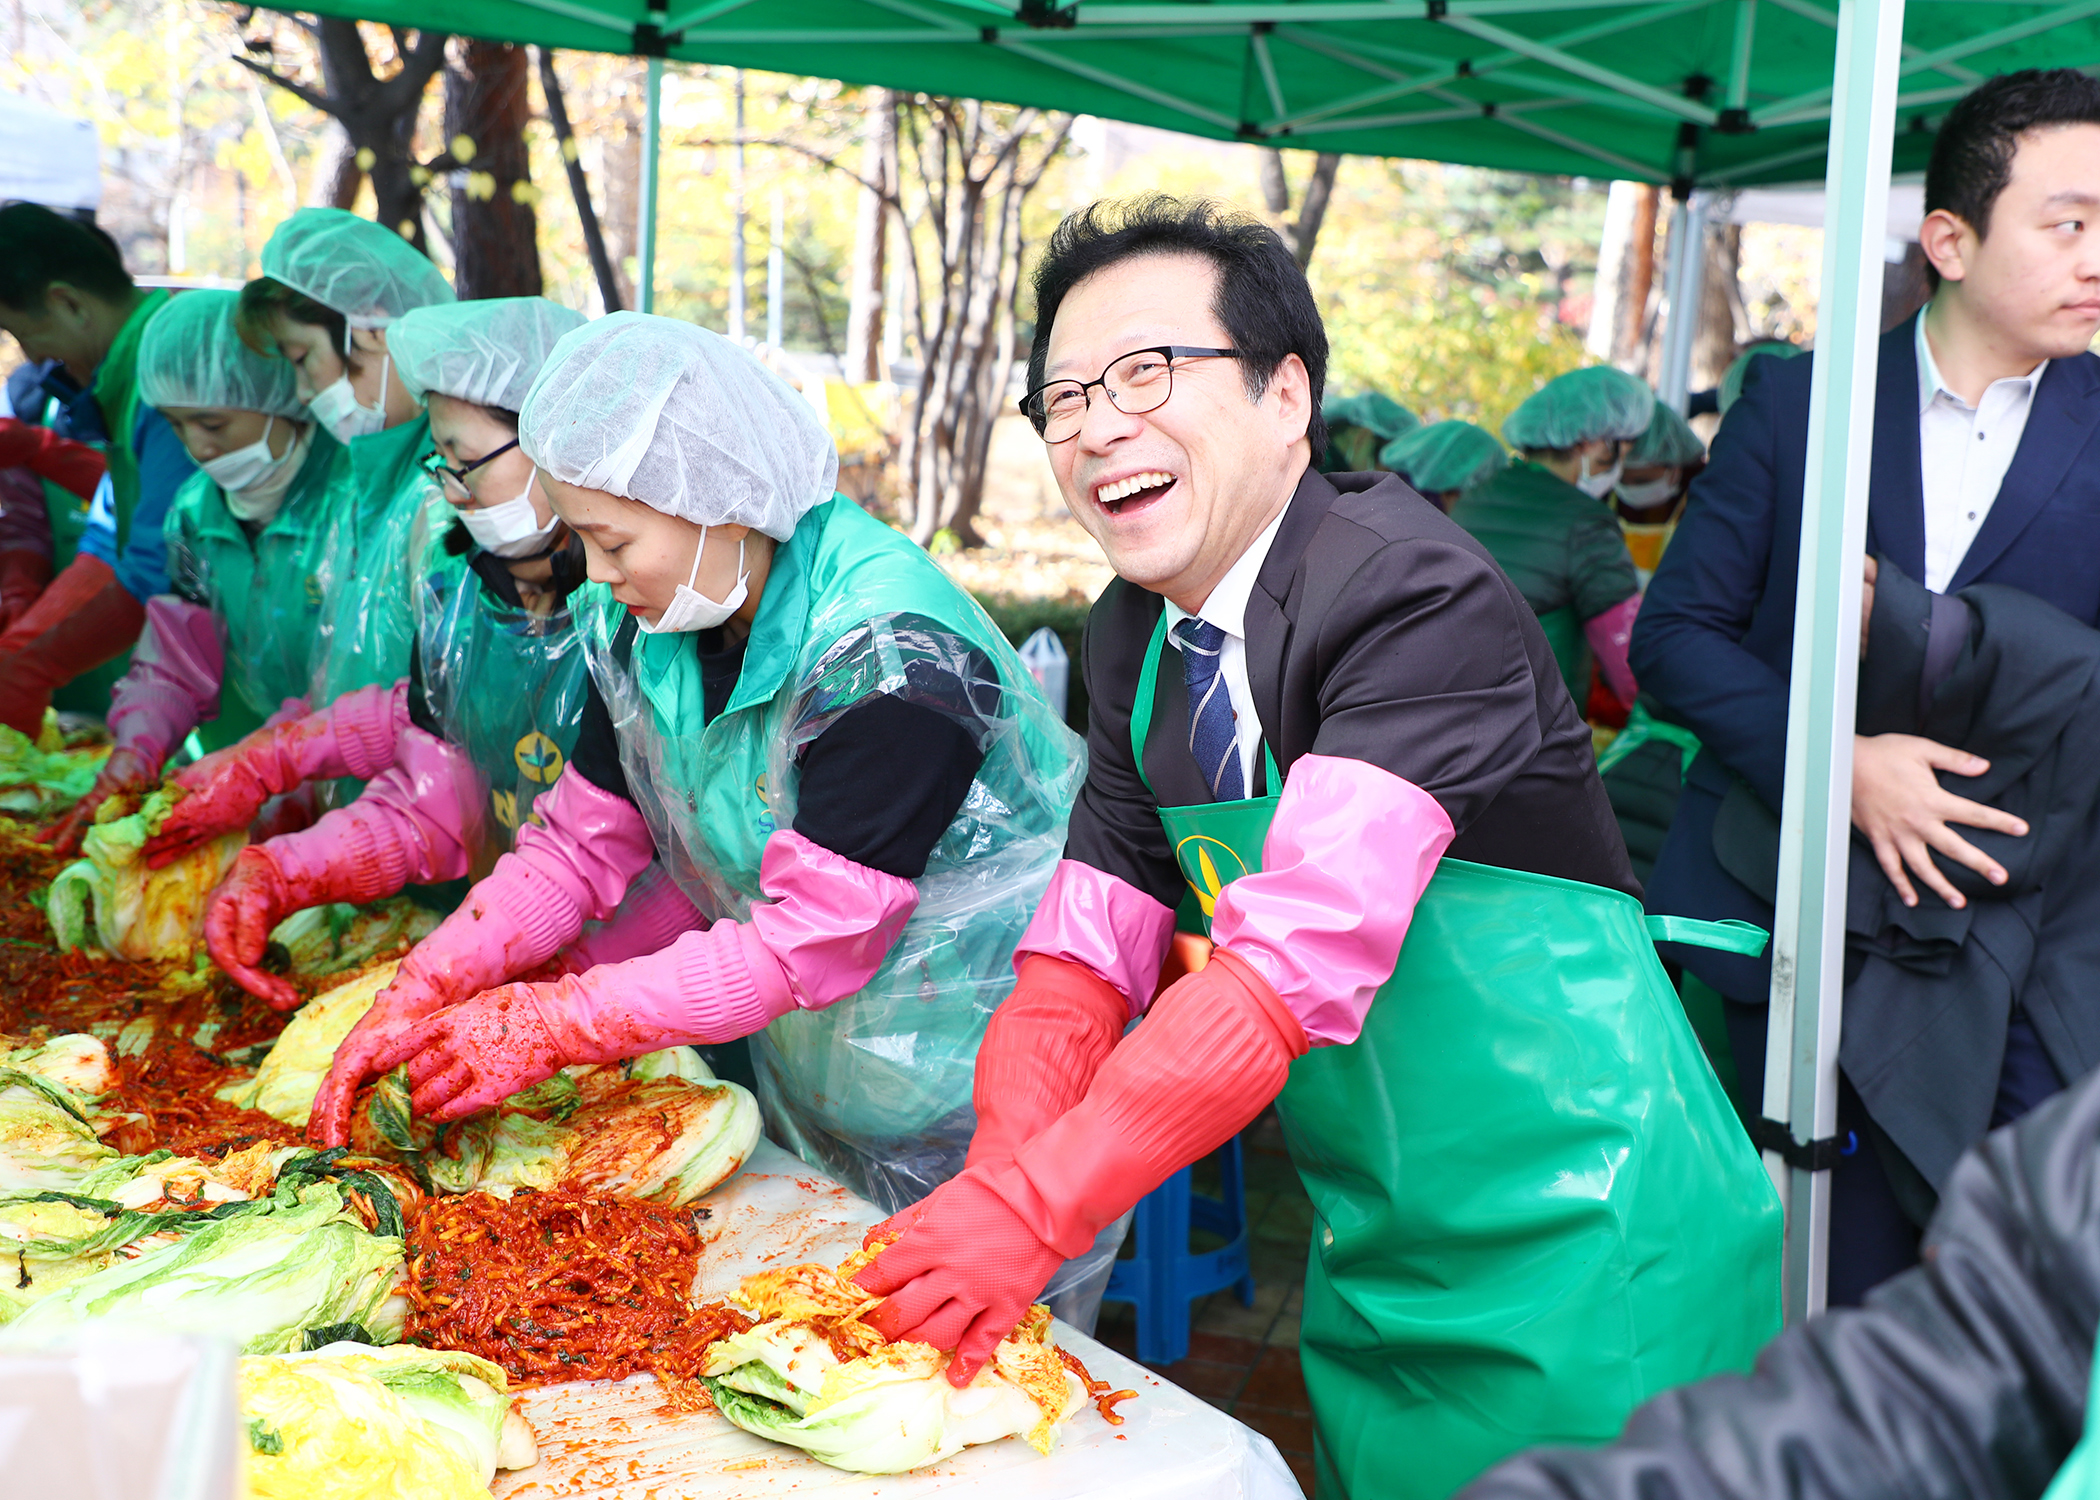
(1244, 1360)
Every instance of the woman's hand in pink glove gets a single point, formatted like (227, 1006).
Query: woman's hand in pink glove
(244, 910)
(386, 1036)
(483, 1050)
(124, 771)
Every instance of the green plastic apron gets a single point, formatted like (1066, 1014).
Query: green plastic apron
(1533, 1206)
(506, 685)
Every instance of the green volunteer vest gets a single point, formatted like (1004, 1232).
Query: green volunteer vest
(116, 391)
(1534, 1207)
(875, 1088)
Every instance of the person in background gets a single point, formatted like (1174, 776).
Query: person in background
(821, 737)
(1327, 729)
(1986, 470)
(331, 285)
(1730, 389)
(489, 709)
(71, 305)
(244, 541)
(1358, 426)
(1660, 466)
(1544, 521)
(1445, 459)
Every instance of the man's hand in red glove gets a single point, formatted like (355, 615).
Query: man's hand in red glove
(124, 771)
(244, 910)
(483, 1050)
(962, 1276)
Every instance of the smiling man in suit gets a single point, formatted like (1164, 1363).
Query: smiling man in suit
(1986, 469)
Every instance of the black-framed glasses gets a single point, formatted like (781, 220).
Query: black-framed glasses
(435, 466)
(1136, 383)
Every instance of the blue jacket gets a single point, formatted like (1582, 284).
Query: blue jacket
(1715, 637)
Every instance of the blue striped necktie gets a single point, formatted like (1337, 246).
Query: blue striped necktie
(1213, 738)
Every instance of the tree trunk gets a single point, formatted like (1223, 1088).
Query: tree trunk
(1312, 211)
(620, 167)
(579, 185)
(495, 233)
(1275, 185)
(1611, 299)
(1720, 298)
(870, 236)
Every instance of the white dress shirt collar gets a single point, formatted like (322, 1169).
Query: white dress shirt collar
(1930, 383)
(1226, 607)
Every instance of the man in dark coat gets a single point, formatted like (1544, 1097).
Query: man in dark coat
(1986, 470)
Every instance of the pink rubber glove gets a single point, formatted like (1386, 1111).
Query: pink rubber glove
(416, 823)
(1216, 1048)
(1092, 918)
(569, 866)
(353, 736)
(821, 938)
(173, 684)
(1608, 635)
(653, 914)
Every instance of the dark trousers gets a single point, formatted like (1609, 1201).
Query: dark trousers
(1871, 1236)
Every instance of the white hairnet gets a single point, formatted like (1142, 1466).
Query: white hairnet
(1581, 407)
(680, 419)
(487, 351)
(358, 268)
(191, 355)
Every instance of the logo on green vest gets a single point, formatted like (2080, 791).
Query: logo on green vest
(539, 758)
(506, 804)
(1208, 866)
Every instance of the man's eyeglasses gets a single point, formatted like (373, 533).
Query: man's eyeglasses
(1138, 382)
(435, 466)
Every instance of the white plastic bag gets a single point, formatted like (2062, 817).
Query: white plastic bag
(1050, 664)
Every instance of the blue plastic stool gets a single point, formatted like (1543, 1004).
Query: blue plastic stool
(1163, 1277)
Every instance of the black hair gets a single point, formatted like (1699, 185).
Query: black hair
(1264, 302)
(40, 248)
(265, 297)
(1972, 155)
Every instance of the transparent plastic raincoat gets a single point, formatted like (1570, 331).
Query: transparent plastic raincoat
(876, 1087)
(369, 571)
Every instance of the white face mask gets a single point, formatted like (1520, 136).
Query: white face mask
(511, 529)
(1647, 496)
(338, 409)
(692, 610)
(245, 468)
(1599, 485)
(258, 501)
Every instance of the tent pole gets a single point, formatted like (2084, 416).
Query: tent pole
(1808, 937)
(1684, 279)
(652, 149)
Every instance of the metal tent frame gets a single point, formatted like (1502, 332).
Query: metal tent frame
(1698, 94)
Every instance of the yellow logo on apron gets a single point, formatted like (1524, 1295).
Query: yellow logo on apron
(506, 804)
(1208, 866)
(539, 758)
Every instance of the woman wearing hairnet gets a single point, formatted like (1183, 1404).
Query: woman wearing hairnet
(332, 284)
(244, 537)
(456, 751)
(824, 740)
(1444, 459)
(1541, 521)
(1358, 426)
(1660, 467)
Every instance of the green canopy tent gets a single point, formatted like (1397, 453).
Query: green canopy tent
(1702, 95)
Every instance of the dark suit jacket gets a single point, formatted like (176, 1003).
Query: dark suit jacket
(1380, 631)
(1715, 637)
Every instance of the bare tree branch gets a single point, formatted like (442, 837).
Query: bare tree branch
(299, 90)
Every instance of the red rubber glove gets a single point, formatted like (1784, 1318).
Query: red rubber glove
(353, 736)
(1216, 1048)
(82, 620)
(124, 771)
(423, 986)
(482, 1051)
(25, 572)
(244, 910)
(68, 464)
(1043, 1046)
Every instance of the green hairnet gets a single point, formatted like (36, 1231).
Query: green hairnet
(1732, 381)
(190, 355)
(357, 268)
(1445, 456)
(1669, 442)
(1579, 407)
(487, 351)
(1380, 415)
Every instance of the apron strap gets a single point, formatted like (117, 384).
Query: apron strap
(1141, 714)
(1731, 936)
